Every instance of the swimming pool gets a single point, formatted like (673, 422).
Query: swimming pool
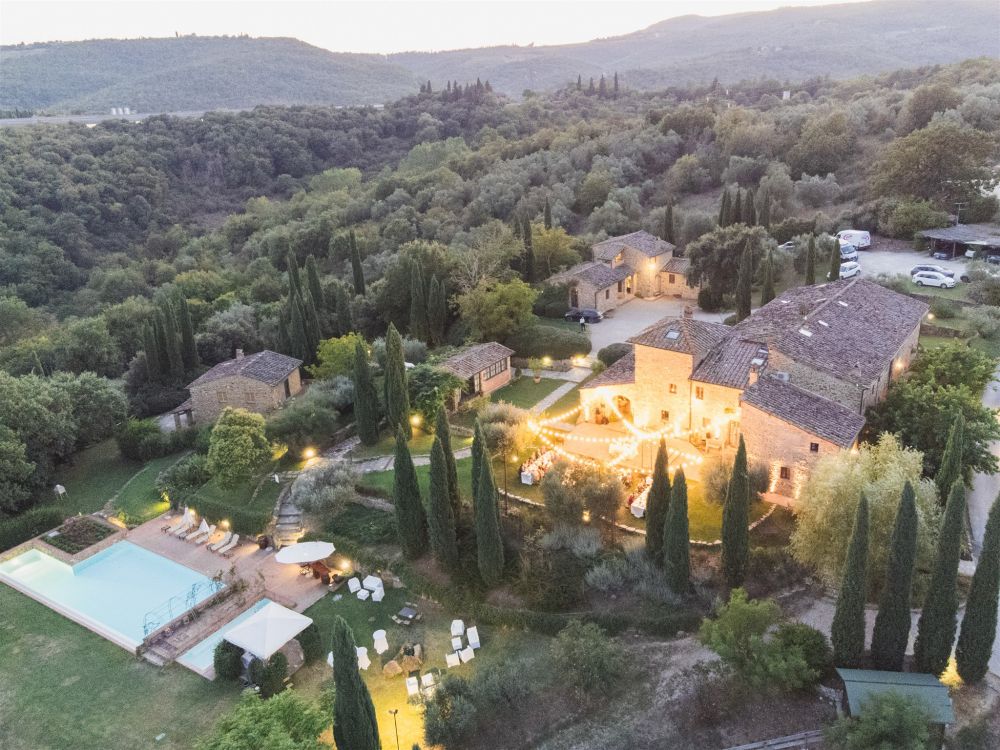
(121, 593)
(201, 657)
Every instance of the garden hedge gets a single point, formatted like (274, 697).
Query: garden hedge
(247, 523)
(548, 341)
(29, 524)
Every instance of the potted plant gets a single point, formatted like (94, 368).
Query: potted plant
(535, 365)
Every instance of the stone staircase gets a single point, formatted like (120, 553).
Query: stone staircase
(288, 520)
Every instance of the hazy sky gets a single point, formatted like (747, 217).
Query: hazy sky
(358, 26)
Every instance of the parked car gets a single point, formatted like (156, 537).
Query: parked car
(849, 269)
(589, 315)
(931, 267)
(848, 251)
(994, 259)
(861, 240)
(787, 247)
(933, 278)
(942, 255)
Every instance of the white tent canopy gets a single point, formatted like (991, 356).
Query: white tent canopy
(306, 552)
(265, 632)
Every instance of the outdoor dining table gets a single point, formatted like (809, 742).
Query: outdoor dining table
(406, 613)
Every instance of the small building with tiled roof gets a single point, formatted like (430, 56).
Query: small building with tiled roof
(625, 267)
(795, 378)
(259, 382)
(484, 367)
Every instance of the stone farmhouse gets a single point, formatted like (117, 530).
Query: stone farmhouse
(625, 267)
(795, 378)
(258, 382)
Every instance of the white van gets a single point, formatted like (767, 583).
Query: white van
(860, 240)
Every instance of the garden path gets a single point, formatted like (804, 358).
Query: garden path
(557, 394)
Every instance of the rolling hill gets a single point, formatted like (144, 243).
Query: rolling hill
(196, 73)
(191, 73)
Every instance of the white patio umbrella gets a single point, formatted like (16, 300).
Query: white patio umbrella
(305, 552)
(268, 630)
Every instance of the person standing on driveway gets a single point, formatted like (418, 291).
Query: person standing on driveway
(583, 324)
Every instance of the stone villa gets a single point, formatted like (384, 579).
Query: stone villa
(625, 267)
(795, 378)
(258, 382)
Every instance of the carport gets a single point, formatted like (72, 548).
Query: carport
(982, 239)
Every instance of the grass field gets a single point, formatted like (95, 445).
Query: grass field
(420, 445)
(62, 686)
(139, 499)
(525, 392)
(95, 475)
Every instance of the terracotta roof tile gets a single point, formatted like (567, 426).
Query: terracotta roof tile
(641, 241)
(475, 359)
(266, 366)
(621, 372)
(687, 335)
(596, 274)
(814, 414)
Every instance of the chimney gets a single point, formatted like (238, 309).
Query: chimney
(753, 374)
(688, 311)
(239, 354)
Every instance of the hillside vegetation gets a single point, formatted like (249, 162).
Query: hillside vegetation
(191, 73)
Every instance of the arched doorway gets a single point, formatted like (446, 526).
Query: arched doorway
(574, 297)
(624, 407)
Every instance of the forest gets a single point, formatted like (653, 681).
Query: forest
(442, 214)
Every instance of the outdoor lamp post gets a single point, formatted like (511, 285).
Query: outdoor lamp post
(395, 726)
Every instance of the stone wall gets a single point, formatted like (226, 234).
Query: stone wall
(715, 416)
(675, 285)
(658, 372)
(209, 399)
(778, 444)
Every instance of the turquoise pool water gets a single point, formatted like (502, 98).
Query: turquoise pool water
(200, 657)
(120, 592)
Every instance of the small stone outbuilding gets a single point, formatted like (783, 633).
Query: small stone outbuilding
(484, 367)
(259, 382)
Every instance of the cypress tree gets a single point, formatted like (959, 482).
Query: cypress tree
(749, 209)
(297, 330)
(411, 524)
(154, 371)
(602, 87)
(436, 312)
(359, 275)
(591, 90)
(657, 502)
(489, 543)
(365, 397)
(397, 400)
(162, 348)
(443, 431)
(950, 470)
(736, 210)
(835, 260)
(478, 453)
(616, 84)
(667, 231)
(529, 252)
(345, 322)
(354, 724)
(173, 341)
(979, 625)
(314, 333)
(764, 219)
(811, 262)
(579, 82)
(294, 279)
(547, 214)
(847, 634)
(936, 627)
(419, 328)
(767, 292)
(724, 208)
(284, 338)
(735, 519)
(189, 349)
(892, 623)
(313, 282)
(676, 538)
(440, 519)
(744, 284)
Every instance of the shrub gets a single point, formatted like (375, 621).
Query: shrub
(903, 218)
(308, 420)
(325, 489)
(613, 352)
(269, 676)
(548, 341)
(181, 481)
(890, 721)
(29, 524)
(227, 659)
(816, 191)
(813, 645)
(584, 542)
(585, 656)
(709, 300)
(243, 521)
(634, 572)
(365, 525)
(897, 282)
(985, 321)
(551, 302)
(414, 351)
(785, 230)
(943, 308)
(450, 716)
(773, 569)
(238, 445)
(311, 643)
(140, 440)
(429, 388)
(715, 476)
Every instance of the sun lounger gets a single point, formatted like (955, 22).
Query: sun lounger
(222, 542)
(412, 686)
(184, 528)
(452, 660)
(473, 635)
(202, 528)
(202, 538)
(175, 526)
(227, 550)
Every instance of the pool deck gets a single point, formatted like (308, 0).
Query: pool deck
(282, 583)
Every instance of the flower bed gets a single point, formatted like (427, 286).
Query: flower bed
(77, 534)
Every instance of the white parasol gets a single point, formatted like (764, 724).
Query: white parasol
(306, 552)
(268, 630)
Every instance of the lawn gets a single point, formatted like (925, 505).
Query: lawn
(420, 445)
(95, 475)
(382, 480)
(959, 291)
(62, 686)
(432, 632)
(568, 400)
(258, 493)
(138, 499)
(525, 392)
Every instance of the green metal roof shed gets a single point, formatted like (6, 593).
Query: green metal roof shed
(862, 684)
